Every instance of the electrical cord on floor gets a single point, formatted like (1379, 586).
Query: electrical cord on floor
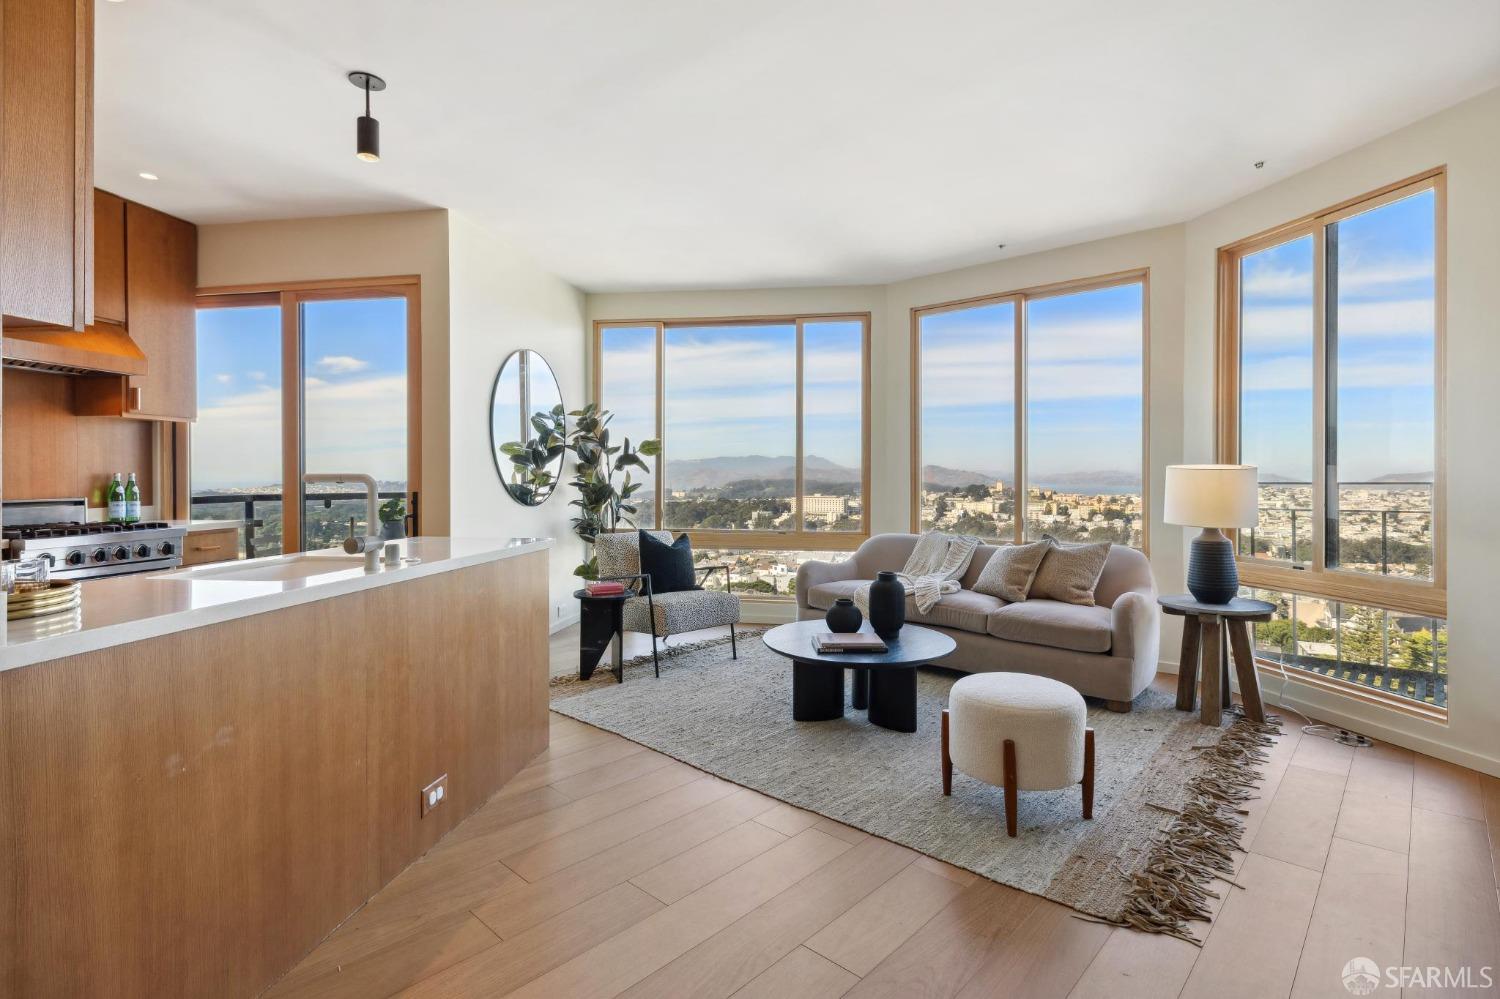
(1342, 736)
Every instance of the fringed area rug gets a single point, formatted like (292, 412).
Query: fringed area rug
(1168, 792)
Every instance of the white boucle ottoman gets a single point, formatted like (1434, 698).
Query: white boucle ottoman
(1021, 733)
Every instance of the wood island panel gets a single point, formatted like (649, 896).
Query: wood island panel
(189, 815)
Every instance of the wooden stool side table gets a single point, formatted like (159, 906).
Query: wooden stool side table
(1209, 633)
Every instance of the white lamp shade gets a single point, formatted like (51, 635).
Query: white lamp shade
(1211, 495)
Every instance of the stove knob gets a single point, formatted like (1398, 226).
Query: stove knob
(121, 553)
(166, 548)
(76, 557)
(99, 555)
(142, 551)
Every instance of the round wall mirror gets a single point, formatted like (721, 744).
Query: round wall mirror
(528, 426)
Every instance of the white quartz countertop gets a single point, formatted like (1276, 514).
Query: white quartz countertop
(193, 526)
(125, 609)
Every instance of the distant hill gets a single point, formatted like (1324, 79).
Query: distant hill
(713, 473)
(1422, 477)
(947, 478)
(1106, 481)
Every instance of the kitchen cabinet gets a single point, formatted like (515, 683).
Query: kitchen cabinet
(46, 162)
(161, 315)
(203, 547)
(161, 288)
(109, 258)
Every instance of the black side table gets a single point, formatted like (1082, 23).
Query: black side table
(599, 628)
(1203, 638)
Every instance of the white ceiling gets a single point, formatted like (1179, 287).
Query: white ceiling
(630, 145)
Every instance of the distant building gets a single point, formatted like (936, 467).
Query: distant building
(762, 520)
(830, 508)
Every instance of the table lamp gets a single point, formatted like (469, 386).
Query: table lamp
(1212, 497)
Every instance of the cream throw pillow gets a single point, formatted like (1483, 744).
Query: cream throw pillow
(1070, 573)
(1010, 571)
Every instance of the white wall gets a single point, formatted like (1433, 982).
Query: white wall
(357, 246)
(500, 301)
(1467, 139)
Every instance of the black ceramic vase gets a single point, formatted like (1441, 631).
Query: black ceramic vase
(843, 617)
(887, 605)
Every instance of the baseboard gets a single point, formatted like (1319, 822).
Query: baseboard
(563, 622)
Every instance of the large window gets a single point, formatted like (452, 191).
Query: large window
(764, 429)
(1067, 460)
(296, 383)
(1330, 339)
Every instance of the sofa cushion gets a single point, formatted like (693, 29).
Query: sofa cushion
(823, 595)
(1054, 623)
(1010, 571)
(964, 610)
(1070, 573)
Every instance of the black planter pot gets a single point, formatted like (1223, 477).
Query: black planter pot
(887, 605)
(843, 617)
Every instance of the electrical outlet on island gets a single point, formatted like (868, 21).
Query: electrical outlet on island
(433, 794)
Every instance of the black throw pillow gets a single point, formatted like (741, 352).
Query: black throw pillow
(669, 566)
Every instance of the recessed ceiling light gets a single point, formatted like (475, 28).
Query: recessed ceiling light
(143, 176)
(1259, 164)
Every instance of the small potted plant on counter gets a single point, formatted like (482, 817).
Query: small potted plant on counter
(393, 519)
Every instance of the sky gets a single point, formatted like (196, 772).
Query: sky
(354, 356)
(1385, 366)
(1083, 384)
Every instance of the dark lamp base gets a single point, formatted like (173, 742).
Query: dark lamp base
(1213, 577)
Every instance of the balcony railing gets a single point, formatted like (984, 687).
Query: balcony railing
(262, 525)
(1288, 544)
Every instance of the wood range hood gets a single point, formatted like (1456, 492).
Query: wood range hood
(102, 349)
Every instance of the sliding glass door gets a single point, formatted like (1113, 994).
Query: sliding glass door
(306, 397)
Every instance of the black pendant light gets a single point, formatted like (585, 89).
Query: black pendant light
(367, 129)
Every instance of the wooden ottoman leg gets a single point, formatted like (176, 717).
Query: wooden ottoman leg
(947, 760)
(1011, 787)
(1088, 773)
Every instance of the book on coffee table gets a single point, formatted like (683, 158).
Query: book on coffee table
(827, 641)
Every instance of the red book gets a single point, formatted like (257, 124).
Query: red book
(610, 588)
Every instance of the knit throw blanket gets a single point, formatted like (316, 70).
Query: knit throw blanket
(932, 570)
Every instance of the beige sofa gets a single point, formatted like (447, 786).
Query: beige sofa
(1107, 651)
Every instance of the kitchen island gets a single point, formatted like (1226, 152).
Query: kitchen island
(220, 764)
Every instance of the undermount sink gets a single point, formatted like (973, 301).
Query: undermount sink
(284, 567)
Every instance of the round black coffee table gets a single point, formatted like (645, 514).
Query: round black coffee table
(885, 683)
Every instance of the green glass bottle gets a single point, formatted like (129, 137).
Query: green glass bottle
(132, 501)
(116, 498)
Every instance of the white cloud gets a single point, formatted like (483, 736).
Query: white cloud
(341, 364)
(224, 378)
(256, 376)
(1270, 326)
(352, 426)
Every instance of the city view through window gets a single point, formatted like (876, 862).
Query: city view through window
(730, 435)
(353, 415)
(1375, 415)
(1083, 417)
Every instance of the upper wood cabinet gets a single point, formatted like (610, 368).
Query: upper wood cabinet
(109, 258)
(46, 166)
(161, 284)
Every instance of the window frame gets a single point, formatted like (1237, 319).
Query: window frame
(289, 296)
(1317, 579)
(800, 539)
(1021, 298)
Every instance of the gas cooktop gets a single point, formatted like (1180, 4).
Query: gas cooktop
(59, 532)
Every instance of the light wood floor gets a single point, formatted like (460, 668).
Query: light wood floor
(607, 869)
